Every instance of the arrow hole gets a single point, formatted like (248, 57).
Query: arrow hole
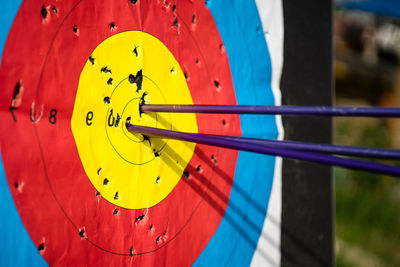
(176, 24)
(214, 159)
(198, 168)
(75, 30)
(156, 154)
(194, 20)
(105, 69)
(41, 247)
(115, 211)
(216, 84)
(43, 12)
(109, 82)
(82, 233)
(135, 50)
(139, 218)
(91, 59)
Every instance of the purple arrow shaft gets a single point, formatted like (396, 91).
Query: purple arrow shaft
(251, 147)
(322, 148)
(282, 110)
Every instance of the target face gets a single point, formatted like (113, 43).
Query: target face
(121, 194)
(87, 190)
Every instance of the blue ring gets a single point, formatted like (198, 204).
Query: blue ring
(236, 238)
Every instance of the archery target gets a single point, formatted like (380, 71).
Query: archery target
(164, 201)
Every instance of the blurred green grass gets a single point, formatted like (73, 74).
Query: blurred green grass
(367, 204)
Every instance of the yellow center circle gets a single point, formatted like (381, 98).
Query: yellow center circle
(131, 170)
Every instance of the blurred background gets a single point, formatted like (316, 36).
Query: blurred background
(367, 73)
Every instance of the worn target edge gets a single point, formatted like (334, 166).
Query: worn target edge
(16, 246)
(247, 234)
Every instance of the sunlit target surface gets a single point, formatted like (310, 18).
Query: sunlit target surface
(106, 192)
(91, 193)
